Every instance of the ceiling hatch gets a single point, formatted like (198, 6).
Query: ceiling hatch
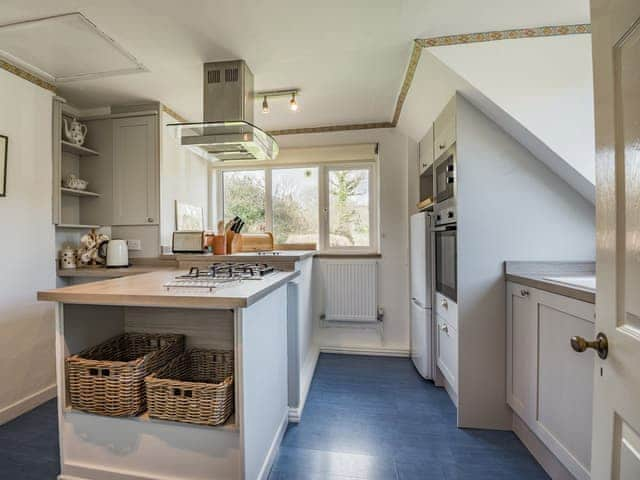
(65, 48)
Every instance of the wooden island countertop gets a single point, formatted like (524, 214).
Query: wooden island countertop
(148, 290)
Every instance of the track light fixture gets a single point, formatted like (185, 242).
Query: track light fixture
(293, 102)
(293, 105)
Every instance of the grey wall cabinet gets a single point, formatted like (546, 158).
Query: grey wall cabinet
(426, 156)
(136, 171)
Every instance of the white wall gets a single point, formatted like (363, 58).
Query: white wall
(27, 369)
(183, 177)
(511, 206)
(394, 148)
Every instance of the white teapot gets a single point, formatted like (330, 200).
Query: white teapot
(75, 131)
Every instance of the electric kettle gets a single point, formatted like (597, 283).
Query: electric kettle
(117, 253)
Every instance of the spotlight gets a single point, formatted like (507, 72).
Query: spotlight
(265, 105)
(293, 105)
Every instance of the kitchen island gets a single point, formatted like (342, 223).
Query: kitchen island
(248, 317)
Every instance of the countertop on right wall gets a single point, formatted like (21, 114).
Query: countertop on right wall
(569, 279)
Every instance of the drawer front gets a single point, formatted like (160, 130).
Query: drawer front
(448, 352)
(447, 309)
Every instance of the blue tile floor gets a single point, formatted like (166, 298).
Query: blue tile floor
(366, 418)
(29, 445)
(376, 418)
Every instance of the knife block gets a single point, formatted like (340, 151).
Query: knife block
(234, 242)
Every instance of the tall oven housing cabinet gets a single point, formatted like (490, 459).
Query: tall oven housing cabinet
(422, 330)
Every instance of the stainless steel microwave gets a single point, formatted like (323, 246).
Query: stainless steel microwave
(445, 175)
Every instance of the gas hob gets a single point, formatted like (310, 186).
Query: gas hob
(219, 275)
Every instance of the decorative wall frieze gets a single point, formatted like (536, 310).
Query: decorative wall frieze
(421, 43)
(332, 128)
(29, 77)
(546, 31)
(169, 111)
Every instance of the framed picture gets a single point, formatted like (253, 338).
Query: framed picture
(4, 142)
(189, 217)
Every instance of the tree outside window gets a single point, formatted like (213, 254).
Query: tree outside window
(244, 196)
(349, 208)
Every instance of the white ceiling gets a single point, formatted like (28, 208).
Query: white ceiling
(347, 57)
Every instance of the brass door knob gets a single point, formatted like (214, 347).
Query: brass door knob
(600, 344)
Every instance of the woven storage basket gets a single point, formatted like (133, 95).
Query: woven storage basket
(196, 387)
(108, 379)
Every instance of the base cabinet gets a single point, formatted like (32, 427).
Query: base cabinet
(448, 352)
(549, 386)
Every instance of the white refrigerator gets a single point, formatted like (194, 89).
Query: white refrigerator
(422, 331)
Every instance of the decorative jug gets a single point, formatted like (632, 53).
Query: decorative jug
(74, 131)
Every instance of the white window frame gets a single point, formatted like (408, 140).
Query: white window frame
(325, 245)
(323, 200)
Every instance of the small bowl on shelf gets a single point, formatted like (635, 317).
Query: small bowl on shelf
(73, 182)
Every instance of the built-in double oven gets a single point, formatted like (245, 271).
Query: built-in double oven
(446, 253)
(445, 175)
(445, 225)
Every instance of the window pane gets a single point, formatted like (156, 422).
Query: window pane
(295, 205)
(244, 195)
(349, 208)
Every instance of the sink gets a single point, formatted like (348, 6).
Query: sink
(585, 281)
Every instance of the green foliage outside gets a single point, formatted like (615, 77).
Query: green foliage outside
(295, 204)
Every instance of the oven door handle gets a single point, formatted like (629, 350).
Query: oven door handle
(445, 228)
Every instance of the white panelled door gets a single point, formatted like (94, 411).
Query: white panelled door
(616, 407)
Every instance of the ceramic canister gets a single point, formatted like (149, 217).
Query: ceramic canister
(68, 258)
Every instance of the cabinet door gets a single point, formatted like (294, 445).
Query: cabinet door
(444, 129)
(426, 152)
(522, 352)
(565, 380)
(448, 352)
(135, 189)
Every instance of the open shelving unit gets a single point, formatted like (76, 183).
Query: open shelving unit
(74, 208)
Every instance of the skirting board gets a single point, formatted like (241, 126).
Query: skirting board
(273, 450)
(28, 403)
(295, 413)
(375, 351)
(540, 452)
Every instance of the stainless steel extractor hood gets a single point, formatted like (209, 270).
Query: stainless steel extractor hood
(227, 132)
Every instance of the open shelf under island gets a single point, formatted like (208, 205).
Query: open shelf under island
(249, 317)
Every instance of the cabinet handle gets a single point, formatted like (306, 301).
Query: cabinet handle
(150, 220)
(424, 164)
(524, 293)
(444, 303)
(441, 146)
(444, 328)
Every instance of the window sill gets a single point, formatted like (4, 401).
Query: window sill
(347, 255)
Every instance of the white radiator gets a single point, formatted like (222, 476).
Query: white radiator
(351, 290)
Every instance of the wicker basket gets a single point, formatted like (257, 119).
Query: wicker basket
(196, 387)
(108, 379)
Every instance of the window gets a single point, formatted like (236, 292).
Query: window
(332, 206)
(294, 194)
(349, 208)
(244, 197)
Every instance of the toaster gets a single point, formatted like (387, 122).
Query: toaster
(188, 242)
